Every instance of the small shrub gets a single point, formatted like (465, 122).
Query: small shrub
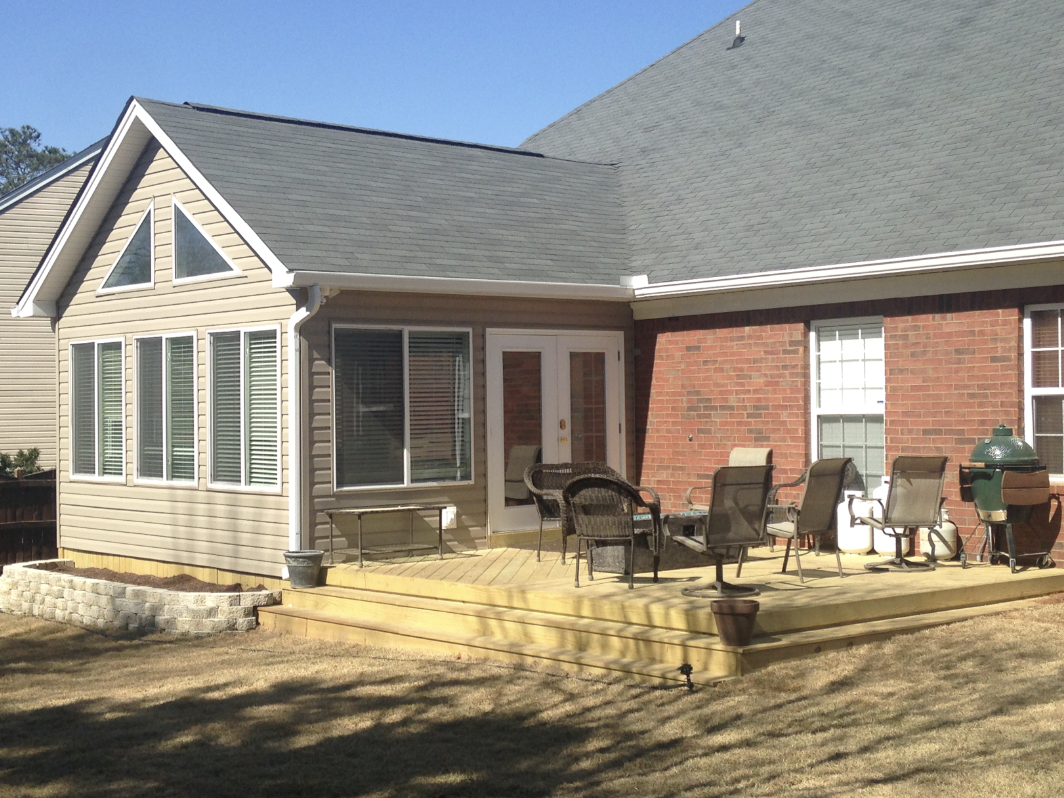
(26, 460)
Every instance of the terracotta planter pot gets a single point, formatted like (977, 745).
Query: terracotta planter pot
(735, 620)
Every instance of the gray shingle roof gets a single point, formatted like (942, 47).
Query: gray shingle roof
(339, 199)
(839, 131)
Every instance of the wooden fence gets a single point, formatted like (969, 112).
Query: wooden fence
(27, 518)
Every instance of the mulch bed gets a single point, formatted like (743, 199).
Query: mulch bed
(182, 583)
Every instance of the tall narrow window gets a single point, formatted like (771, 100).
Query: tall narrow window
(402, 404)
(134, 267)
(166, 408)
(245, 402)
(1044, 366)
(195, 253)
(97, 417)
(848, 396)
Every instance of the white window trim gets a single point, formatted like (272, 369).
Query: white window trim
(148, 214)
(175, 208)
(407, 485)
(815, 412)
(137, 478)
(1029, 391)
(242, 487)
(95, 410)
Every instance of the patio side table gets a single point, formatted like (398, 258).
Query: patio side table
(388, 548)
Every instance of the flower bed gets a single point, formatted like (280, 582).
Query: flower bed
(42, 590)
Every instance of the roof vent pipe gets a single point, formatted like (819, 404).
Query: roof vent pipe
(739, 38)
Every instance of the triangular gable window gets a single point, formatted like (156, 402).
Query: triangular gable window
(134, 265)
(195, 254)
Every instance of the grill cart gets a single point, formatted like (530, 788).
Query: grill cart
(1005, 480)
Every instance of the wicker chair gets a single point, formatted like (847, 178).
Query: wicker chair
(915, 500)
(600, 509)
(545, 482)
(816, 515)
(735, 520)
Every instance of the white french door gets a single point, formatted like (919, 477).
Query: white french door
(553, 397)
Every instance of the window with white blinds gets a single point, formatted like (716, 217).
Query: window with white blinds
(166, 408)
(402, 404)
(245, 408)
(97, 409)
(849, 395)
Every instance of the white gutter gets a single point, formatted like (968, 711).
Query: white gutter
(780, 278)
(295, 420)
(455, 285)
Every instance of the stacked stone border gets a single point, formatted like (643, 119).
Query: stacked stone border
(40, 589)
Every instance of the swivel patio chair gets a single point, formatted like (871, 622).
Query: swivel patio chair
(735, 520)
(544, 481)
(915, 500)
(600, 508)
(816, 515)
(738, 456)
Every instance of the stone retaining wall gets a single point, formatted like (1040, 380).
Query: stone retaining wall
(40, 590)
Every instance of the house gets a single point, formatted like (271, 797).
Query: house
(839, 232)
(29, 218)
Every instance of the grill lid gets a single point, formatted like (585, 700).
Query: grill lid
(1004, 448)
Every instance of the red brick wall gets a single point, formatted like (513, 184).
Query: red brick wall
(953, 366)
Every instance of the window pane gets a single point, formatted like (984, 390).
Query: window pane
(110, 409)
(849, 367)
(1045, 329)
(194, 255)
(181, 409)
(587, 406)
(1049, 432)
(134, 266)
(83, 408)
(522, 425)
(150, 408)
(262, 389)
(1045, 368)
(440, 420)
(368, 400)
(859, 437)
(225, 408)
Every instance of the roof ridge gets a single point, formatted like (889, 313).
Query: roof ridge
(633, 76)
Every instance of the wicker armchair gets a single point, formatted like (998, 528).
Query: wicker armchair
(601, 509)
(545, 482)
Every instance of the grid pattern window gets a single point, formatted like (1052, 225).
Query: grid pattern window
(97, 412)
(1044, 357)
(245, 404)
(849, 395)
(402, 400)
(166, 408)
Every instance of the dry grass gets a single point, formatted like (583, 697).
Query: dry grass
(969, 710)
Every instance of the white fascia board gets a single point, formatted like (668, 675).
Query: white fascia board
(1029, 265)
(131, 134)
(454, 285)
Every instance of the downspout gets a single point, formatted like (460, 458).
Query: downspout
(295, 418)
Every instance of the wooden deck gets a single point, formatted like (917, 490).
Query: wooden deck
(501, 603)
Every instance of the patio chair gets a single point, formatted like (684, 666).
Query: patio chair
(600, 508)
(735, 519)
(816, 515)
(521, 457)
(736, 457)
(775, 515)
(545, 481)
(915, 500)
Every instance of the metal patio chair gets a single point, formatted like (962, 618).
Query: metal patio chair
(775, 515)
(816, 515)
(545, 482)
(601, 509)
(735, 519)
(738, 456)
(915, 500)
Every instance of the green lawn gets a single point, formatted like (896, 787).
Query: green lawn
(969, 710)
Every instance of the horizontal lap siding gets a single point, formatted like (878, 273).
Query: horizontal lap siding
(478, 313)
(27, 346)
(230, 529)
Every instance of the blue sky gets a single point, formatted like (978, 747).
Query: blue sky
(476, 71)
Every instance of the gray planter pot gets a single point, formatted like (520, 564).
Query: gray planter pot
(304, 567)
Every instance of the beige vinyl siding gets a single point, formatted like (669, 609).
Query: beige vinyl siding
(478, 313)
(238, 530)
(27, 346)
